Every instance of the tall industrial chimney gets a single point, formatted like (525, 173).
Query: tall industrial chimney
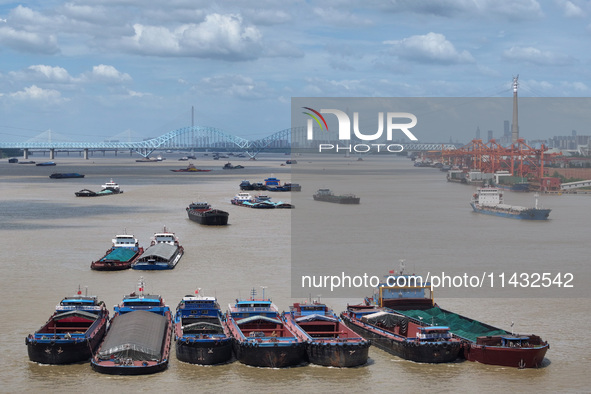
(515, 125)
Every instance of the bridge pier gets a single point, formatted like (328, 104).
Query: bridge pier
(85, 153)
(51, 153)
(25, 153)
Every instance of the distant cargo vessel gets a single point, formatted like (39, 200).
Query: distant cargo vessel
(203, 213)
(489, 200)
(65, 175)
(329, 196)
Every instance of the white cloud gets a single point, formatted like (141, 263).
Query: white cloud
(537, 56)
(578, 86)
(234, 86)
(514, 10)
(429, 48)
(218, 36)
(26, 41)
(572, 10)
(107, 73)
(268, 17)
(43, 73)
(338, 17)
(36, 93)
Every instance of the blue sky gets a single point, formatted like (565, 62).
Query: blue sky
(92, 69)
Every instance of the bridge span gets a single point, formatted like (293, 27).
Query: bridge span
(194, 137)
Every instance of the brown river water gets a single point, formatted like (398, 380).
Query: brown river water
(51, 237)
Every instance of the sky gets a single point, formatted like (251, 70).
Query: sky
(90, 70)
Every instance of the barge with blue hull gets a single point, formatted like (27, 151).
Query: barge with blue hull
(489, 200)
(139, 337)
(200, 335)
(260, 336)
(163, 253)
(72, 333)
(329, 342)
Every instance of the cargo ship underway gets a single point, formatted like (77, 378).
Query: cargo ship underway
(489, 200)
(328, 196)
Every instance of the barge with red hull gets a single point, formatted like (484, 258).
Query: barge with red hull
(487, 344)
(139, 337)
(124, 251)
(200, 335)
(481, 342)
(329, 342)
(260, 337)
(71, 334)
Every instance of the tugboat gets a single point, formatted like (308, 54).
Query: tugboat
(163, 253)
(72, 333)
(139, 337)
(329, 196)
(261, 338)
(203, 213)
(124, 251)
(112, 187)
(241, 198)
(489, 200)
(200, 335)
(107, 189)
(273, 184)
(329, 341)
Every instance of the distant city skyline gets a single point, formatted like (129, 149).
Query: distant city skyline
(93, 71)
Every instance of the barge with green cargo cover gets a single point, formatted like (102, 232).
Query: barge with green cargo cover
(481, 342)
(122, 254)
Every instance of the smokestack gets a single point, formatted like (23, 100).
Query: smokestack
(515, 125)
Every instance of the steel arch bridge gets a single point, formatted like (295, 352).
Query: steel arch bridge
(199, 137)
(192, 137)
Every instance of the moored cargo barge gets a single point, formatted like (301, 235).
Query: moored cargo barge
(261, 338)
(329, 342)
(139, 337)
(72, 333)
(200, 335)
